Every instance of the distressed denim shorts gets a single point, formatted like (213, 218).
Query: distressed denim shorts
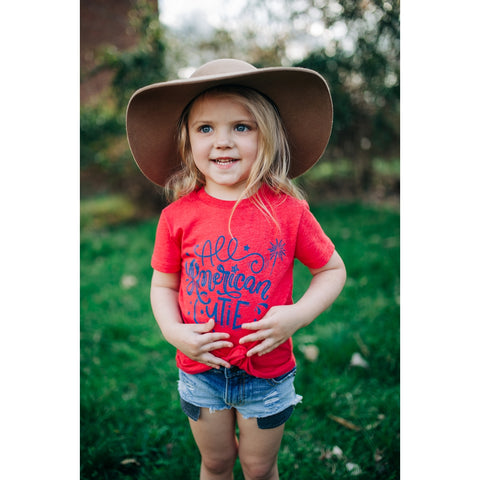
(270, 401)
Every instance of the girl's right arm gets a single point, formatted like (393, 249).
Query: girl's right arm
(196, 341)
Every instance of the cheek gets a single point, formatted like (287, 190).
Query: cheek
(254, 147)
(198, 148)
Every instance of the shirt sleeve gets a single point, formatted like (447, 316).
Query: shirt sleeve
(166, 256)
(313, 247)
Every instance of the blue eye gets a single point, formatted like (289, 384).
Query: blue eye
(205, 129)
(242, 127)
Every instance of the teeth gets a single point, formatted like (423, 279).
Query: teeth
(230, 160)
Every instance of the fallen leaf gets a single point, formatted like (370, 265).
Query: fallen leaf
(353, 468)
(328, 454)
(130, 461)
(310, 352)
(358, 361)
(128, 281)
(363, 348)
(337, 451)
(380, 417)
(344, 423)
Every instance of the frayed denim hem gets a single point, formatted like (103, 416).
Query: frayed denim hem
(264, 423)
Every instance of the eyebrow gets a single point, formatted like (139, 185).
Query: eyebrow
(235, 122)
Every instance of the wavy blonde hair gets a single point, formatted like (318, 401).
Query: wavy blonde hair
(273, 156)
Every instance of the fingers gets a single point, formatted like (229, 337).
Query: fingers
(266, 333)
(266, 345)
(215, 344)
(254, 325)
(214, 337)
(262, 348)
(207, 341)
(261, 334)
(205, 327)
(255, 337)
(215, 362)
(211, 341)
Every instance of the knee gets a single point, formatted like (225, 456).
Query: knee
(259, 469)
(219, 464)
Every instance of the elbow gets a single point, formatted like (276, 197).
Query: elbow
(343, 277)
(342, 268)
(342, 272)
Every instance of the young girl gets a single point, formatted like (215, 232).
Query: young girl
(226, 143)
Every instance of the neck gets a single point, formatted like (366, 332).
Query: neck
(227, 194)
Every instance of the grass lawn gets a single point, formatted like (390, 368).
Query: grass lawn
(348, 424)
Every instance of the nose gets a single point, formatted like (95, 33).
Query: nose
(223, 139)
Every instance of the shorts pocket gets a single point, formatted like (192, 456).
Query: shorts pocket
(282, 378)
(186, 386)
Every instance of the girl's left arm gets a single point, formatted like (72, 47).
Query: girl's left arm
(282, 321)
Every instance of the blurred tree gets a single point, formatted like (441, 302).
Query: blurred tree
(104, 153)
(355, 45)
(143, 65)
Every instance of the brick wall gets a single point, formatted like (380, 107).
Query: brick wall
(102, 22)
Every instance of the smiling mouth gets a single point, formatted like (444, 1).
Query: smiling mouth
(224, 161)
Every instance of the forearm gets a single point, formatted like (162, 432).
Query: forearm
(197, 341)
(325, 286)
(165, 309)
(282, 321)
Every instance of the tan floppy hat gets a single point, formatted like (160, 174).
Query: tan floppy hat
(301, 96)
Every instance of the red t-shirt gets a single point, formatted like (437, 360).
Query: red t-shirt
(235, 276)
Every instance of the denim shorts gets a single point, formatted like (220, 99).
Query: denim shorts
(270, 401)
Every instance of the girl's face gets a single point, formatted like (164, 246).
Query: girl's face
(224, 141)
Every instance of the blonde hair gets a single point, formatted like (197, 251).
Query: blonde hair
(273, 157)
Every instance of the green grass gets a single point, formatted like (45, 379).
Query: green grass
(131, 423)
(105, 210)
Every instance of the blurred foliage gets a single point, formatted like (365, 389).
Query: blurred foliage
(355, 45)
(98, 127)
(97, 212)
(143, 65)
(104, 153)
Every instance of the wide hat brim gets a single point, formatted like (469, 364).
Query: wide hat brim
(301, 96)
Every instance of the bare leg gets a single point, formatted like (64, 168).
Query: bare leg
(258, 449)
(214, 434)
